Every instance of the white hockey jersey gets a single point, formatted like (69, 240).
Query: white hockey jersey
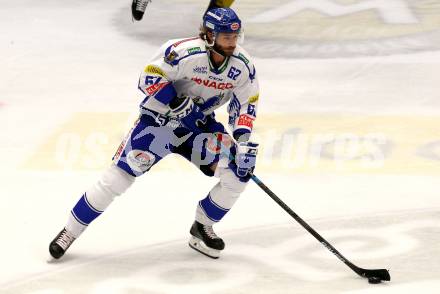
(185, 64)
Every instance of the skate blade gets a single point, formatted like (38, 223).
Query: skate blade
(199, 245)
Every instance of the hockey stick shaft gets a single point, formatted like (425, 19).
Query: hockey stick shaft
(292, 213)
(381, 273)
(300, 220)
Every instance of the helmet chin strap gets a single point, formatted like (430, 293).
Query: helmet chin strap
(214, 47)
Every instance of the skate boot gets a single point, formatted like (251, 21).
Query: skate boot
(138, 8)
(204, 240)
(60, 244)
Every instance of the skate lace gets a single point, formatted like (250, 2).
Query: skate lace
(141, 5)
(210, 232)
(64, 240)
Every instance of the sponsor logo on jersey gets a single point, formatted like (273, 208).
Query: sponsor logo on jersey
(254, 99)
(155, 87)
(212, 84)
(194, 50)
(200, 69)
(119, 150)
(124, 142)
(216, 78)
(245, 121)
(140, 160)
(152, 69)
(154, 84)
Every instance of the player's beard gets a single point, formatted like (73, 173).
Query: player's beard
(225, 51)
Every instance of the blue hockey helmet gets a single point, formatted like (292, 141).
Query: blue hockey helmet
(222, 20)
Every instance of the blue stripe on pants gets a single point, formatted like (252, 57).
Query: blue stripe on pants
(84, 212)
(212, 210)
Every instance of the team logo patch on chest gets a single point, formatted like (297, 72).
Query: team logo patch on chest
(213, 84)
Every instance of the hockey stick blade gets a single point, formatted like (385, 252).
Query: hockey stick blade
(382, 274)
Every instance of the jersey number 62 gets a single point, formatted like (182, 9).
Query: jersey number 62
(234, 73)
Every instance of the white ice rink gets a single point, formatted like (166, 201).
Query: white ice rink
(349, 127)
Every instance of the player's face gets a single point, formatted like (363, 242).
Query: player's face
(227, 42)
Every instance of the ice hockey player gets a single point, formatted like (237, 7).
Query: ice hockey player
(184, 83)
(138, 6)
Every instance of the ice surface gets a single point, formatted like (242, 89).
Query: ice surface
(63, 64)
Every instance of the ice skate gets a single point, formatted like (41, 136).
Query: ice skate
(60, 244)
(204, 240)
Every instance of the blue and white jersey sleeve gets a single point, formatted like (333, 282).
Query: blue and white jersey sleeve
(244, 102)
(156, 81)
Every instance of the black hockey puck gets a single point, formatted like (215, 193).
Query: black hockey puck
(374, 280)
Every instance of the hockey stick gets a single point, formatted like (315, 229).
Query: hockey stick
(374, 276)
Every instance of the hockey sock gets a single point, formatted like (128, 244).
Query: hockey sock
(211, 210)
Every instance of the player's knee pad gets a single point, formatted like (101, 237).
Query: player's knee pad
(230, 183)
(221, 198)
(113, 182)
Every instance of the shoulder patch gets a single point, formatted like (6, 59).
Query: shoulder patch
(170, 58)
(153, 69)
